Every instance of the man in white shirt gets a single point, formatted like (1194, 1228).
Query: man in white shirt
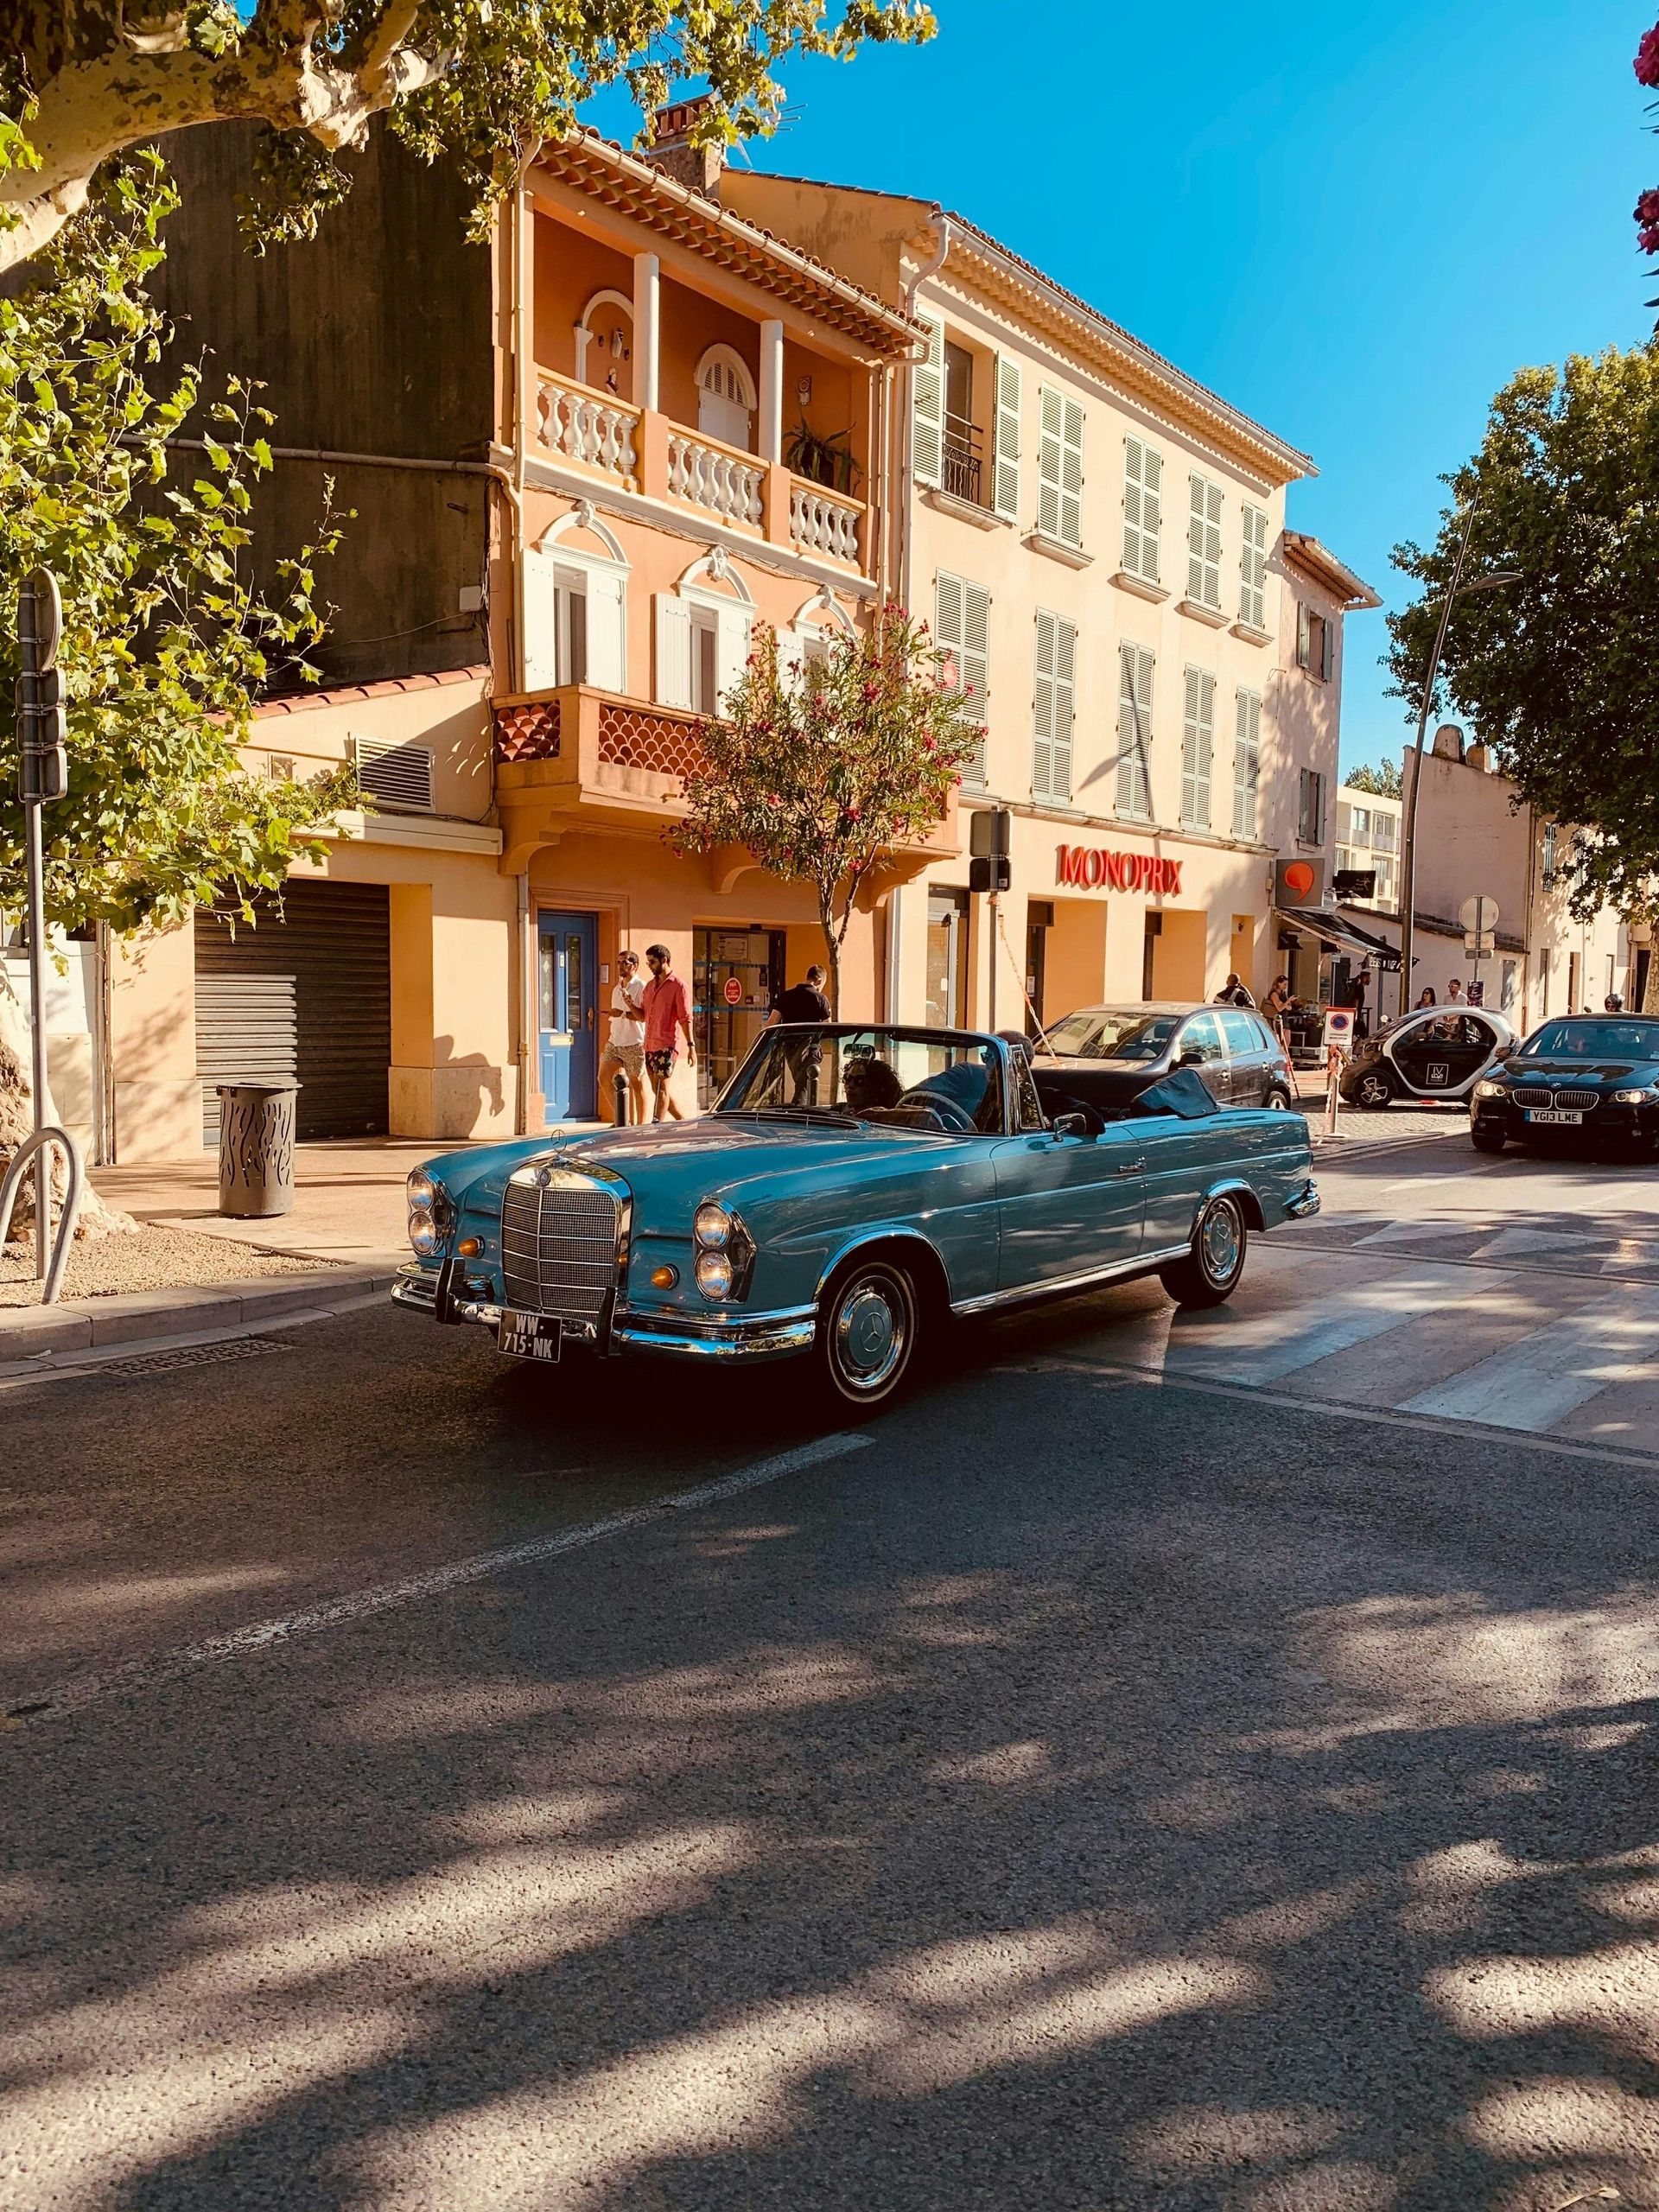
(625, 1049)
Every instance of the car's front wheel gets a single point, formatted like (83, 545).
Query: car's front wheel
(869, 1328)
(1209, 1273)
(1486, 1138)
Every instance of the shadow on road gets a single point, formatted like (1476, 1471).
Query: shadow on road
(1114, 1798)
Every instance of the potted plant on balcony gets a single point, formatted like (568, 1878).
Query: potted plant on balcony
(817, 769)
(820, 460)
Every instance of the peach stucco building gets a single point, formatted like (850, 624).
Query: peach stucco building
(1101, 543)
(650, 358)
(662, 406)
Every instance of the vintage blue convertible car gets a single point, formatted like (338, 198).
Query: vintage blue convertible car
(853, 1186)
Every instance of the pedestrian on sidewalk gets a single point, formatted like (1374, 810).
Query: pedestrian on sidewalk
(803, 1056)
(667, 1012)
(1426, 998)
(625, 1048)
(1454, 993)
(1233, 992)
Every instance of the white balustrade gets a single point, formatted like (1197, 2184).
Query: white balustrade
(713, 477)
(820, 522)
(587, 427)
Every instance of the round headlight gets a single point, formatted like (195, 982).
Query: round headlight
(712, 1226)
(1489, 1090)
(422, 1233)
(421, 1187)
(714, 1274)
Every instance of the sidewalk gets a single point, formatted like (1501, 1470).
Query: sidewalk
(1394, 1125)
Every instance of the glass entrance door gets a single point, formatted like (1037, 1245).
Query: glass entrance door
(565, 980)
(737, 974)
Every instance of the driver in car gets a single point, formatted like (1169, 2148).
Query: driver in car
(870, 1087)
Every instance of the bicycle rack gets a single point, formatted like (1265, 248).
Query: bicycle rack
(22, 1158)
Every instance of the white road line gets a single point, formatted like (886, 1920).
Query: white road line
(1551, 1371)
(1267, 1346)
(76, 1695)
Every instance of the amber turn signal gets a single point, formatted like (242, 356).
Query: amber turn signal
(470, 1246)
(664, 1278)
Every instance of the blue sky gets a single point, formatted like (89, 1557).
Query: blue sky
(1354, 223)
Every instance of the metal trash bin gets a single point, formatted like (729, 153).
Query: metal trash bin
(255, 1148)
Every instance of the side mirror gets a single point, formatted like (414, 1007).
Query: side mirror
(1194, 1058)
(1071, 1125)
(1502, 1051)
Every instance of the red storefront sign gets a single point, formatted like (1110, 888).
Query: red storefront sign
(1093, 869)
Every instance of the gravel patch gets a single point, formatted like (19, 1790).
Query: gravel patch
(156, 1259)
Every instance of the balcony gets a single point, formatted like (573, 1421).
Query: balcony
(961, 472)
(641, 450)
(576, 759)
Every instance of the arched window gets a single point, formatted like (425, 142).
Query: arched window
(725, 398)
(604, 336)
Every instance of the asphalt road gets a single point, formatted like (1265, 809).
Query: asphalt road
(1079, 1791)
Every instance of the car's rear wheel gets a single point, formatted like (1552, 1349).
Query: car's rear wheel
(1487, 1139)
(868, 1330)
(1277, 1102)
(1373, 1090)
(1209, 1273)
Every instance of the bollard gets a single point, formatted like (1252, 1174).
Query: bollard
(619, 1085)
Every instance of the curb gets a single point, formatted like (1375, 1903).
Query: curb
(36, 1340)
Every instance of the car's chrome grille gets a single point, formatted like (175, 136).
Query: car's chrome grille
(559, 1244)
(1535, 1094)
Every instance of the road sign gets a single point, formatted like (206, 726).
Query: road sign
(1479, 915)
(734, 991)
(1479, 945)
(1339, 1028)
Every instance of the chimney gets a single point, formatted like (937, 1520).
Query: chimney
(672, 152)
(1448, 742)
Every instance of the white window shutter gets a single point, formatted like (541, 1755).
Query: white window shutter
(1051, 418)
(1142, 508)
(673, 650)
(606, 637)
(732, 627)
(1007, 461)
(927, 409)
(1042, 708)
(541, 623)
(1135, 730)
(1072, 472)
(1065, 670)
(1247, 764)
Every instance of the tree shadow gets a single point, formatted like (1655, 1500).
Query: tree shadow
(1190, 1828)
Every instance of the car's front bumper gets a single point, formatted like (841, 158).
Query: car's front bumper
(1304, 1203)
(1604, 1124)
(717, 1337)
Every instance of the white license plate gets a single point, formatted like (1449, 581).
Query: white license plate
(531, 1336)
(1551, 1114)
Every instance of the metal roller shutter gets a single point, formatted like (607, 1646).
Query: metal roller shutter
(304, 996)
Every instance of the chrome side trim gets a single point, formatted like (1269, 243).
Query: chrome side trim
(1144, 1263)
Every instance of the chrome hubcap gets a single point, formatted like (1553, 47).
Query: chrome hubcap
(1219, 1239)
(869, 1333)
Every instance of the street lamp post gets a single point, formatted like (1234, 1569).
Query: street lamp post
(1409, 855)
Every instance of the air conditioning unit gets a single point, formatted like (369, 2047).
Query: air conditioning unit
(394, 775)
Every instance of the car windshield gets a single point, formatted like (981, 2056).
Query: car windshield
(1101, 1033)
(901, 1077)
(1593, 1039)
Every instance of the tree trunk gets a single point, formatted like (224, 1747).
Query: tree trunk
(17, 1121)
(832, 947)
(1650, 995)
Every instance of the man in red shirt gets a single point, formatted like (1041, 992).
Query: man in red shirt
(667, 1012)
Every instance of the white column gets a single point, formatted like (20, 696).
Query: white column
(772, 391)
(645, 346)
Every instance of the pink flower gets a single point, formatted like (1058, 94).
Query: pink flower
(1648, 241)
(1647, 57)
(1647, 207)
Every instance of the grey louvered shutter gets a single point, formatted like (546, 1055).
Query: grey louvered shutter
(1042, 708)
(963, 629)
(927, 407)
(1253, 570)
(1142, 509)
(1135, 730)
(1304, 635)
(1197, 744)
(1051, 417)
(1006, 455)
(1247, 764)
(1065, 709)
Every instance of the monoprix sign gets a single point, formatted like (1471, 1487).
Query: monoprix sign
(1093, 869)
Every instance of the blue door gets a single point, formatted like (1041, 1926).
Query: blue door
(565, 998)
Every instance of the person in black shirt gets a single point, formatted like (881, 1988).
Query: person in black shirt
(802, 1002)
